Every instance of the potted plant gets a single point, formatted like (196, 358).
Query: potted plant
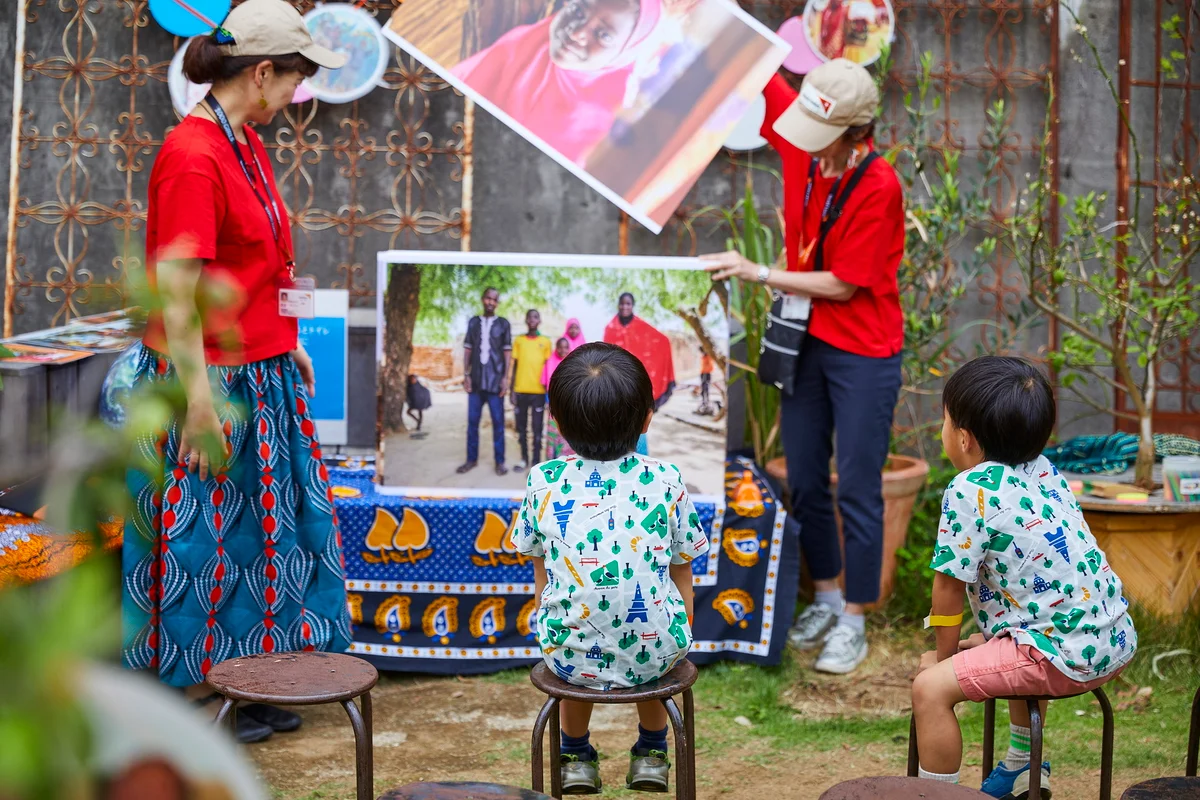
(1120, 292)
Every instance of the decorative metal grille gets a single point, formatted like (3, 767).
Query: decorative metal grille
(1159, 80)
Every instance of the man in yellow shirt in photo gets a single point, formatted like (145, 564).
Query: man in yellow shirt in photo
(530, 353)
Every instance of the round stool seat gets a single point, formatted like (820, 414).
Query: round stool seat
(460, 791)
(1163, 789)
(899, 789)
(293, 679)
(679, 679)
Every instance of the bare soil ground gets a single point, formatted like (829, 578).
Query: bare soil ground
(478, 729)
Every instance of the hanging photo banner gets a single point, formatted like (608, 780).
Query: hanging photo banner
(745, 135)
(853, 29)
(802, 60)
(184, 94)
(346, 29)
(187, 18)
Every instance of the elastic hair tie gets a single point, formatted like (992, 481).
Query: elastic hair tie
(222, 36)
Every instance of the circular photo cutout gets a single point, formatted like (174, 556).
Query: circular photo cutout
(353, 31)
(853, 29)
(184, 94)
(186, 18)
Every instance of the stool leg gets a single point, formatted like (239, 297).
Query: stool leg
(1193, 751)
(913, 759)
(1035, 748)
(989, 737)
(228, 710)
(1106, 746)
(363, 744)
(689, 719)
(556, 789)
(683, 782)
(535, 750)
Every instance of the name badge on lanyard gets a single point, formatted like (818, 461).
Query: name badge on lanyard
(297, 296)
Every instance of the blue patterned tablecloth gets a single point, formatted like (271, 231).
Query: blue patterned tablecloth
(436, 586)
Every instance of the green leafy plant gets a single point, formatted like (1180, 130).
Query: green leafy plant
(1119, 289)
(747, 304)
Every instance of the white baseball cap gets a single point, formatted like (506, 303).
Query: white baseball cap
(834, 97)
(274, 28)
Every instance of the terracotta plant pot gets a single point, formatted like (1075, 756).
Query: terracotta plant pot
(903, 477)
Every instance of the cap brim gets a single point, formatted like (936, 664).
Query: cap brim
(803, 131)
(324, 57)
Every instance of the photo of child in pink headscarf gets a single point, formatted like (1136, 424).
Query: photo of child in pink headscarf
(566, 76)
(625, 94)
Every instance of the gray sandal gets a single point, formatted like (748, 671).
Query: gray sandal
(648, 773)
(579, 777)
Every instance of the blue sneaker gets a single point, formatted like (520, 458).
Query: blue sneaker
(1013, 784)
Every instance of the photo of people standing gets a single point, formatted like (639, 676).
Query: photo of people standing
(487, 373)
(481, 375)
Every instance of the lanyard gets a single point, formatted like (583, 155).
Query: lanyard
(268, 203)
(812, 175)
(831, 202)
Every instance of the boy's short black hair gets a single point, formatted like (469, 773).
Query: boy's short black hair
(1006, 404)
(599, 396)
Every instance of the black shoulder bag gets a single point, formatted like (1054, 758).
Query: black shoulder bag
(782, 337)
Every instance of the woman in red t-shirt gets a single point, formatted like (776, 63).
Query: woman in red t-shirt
(232, 547)
(848, 372)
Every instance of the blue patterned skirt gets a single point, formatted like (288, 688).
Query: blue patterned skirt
(245, 562)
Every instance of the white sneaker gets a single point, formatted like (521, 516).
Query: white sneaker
(811, 626)
(520, 466)
(845, 649)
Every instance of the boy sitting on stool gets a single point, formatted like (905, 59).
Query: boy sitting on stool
(1013, 538)
(611, 535)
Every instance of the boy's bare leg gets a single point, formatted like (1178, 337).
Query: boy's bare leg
(574, 717)
(939, 740)
(652, 715)
(1018, 713)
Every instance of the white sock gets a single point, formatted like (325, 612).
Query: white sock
(1018, 747)
(933, 776)
(856, 621)
(833, 599)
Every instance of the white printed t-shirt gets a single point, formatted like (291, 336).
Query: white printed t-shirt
(610, 616)
(1017, 537)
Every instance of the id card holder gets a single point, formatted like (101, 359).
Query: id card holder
(297, 298)
(796, 307)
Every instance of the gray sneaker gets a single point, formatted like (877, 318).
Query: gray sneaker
(579, 777)
(648, 773)
(845, 649)
(811, 626)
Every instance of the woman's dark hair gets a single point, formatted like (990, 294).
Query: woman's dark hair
(1006, 404)
(599, 397)
(205, 63)
(860, 133)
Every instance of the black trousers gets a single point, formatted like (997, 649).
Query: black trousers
(528, 404)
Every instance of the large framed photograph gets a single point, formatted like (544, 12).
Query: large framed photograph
(633, 96)
(454, 326)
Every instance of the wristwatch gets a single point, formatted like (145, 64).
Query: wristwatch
(764, 272)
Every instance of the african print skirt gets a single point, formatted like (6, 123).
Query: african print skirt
(245, 562)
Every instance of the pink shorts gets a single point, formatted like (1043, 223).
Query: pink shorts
(1003, 668)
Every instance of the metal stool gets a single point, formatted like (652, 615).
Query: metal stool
(1035, 740)
(678, 681)
(460, 791)
(899, 789)
(1171, 788)
(305, 679)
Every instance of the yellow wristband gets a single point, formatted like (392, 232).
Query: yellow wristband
(943, 620)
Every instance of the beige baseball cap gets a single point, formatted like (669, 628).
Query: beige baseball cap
(274, 28)
(834, 97)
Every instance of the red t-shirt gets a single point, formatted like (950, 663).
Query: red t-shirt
(201, 206)
(863, 248)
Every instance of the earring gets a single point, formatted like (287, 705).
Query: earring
(262, 101)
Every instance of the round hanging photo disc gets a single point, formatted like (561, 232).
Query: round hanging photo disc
(187, 18)
(853, 29)
(184, 94)
(355, 32)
